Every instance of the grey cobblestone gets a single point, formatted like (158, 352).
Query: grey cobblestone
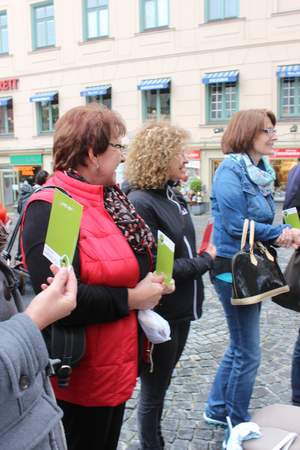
(182, 424)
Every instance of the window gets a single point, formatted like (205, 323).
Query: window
(6, 116)
(156, 104)
(290, 97)
(47, 114)
(154, 14)
(103, 99)
(43, 32)
(95, 19)
(3, 32)
(221, 9)
(222, 101)
(289, 90)
(98, 94)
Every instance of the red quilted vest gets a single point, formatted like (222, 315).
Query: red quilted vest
(106, 376)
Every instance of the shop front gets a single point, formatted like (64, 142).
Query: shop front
(14, 173)
(26, 166)
(282, 161)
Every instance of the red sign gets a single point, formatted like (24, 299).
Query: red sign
(6, 85)
(193, 154)
(286, 153)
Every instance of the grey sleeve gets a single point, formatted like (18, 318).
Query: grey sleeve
(22, 353)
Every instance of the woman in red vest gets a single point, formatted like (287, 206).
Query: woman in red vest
(112, 263)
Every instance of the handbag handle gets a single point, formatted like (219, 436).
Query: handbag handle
(251, 242)
(244, 235)
(251, 239)
(262, 248)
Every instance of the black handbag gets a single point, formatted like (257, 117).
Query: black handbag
(291, 299)
(65, 344)
(255, 272)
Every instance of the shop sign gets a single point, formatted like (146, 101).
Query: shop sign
(26, 171)
(26, 160)
(11, 83)
(286, 153)
(193, 155)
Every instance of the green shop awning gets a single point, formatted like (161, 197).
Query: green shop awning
(26, 160)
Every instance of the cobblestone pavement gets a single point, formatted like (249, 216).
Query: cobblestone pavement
(182, 425)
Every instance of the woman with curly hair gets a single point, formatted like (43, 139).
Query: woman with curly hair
(155, 163)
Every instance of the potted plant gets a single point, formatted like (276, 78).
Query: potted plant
(196, 197)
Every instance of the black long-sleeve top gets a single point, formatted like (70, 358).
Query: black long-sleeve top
(166, 210)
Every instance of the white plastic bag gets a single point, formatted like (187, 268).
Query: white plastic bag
(155, 327)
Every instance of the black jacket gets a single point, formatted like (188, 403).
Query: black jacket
(166, 210)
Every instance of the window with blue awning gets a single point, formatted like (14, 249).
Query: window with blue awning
(158, 83)
(288, 71)
(95, 90)
(43, 97)
(5, 100)
(230, 76)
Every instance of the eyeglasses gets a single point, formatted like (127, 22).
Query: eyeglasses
(120, 147)
(269, 131)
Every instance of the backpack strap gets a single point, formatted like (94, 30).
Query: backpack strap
(10, 243)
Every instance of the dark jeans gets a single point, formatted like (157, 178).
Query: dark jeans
(296, 372)
(234, 381)
(154, 386)
(92, 428)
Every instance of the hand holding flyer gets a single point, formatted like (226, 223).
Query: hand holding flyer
(63, 230)
(165, 257)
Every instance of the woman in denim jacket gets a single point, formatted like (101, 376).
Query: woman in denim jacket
(242, 188)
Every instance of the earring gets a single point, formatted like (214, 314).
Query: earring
(97, 165)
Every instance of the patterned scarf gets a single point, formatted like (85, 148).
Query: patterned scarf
(123, 213)
(264, 179)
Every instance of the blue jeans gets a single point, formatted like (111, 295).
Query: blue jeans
(154, 386)
(296, 372)
(234, 381)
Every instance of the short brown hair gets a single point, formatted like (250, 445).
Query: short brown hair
(243, 128)
(82, 128)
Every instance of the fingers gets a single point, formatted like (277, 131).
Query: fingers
(60, 279)
(54, 269)
(71, 285)
(285, 239)
(169, 288)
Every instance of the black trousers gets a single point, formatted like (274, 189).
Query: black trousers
(154, 386)
(92, 427)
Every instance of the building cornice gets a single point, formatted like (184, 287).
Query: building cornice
(165, 56)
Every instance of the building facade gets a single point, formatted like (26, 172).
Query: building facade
(195, 62)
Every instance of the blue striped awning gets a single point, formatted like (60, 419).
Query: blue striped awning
(220, 77)
(95, 90)
(4, 101)
(288, 71)
(158, 83)
(43, 97)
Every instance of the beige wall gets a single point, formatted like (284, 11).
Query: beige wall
(266, 35)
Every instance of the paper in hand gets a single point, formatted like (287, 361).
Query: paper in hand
(165, 256)
(291, 217)
(63, 230)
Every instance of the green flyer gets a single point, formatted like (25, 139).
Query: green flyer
(165, 256)
(63, 230)
(291, 217)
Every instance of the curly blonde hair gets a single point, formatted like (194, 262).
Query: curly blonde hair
(151, 152)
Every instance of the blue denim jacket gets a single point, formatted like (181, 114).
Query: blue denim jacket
(234, 198)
